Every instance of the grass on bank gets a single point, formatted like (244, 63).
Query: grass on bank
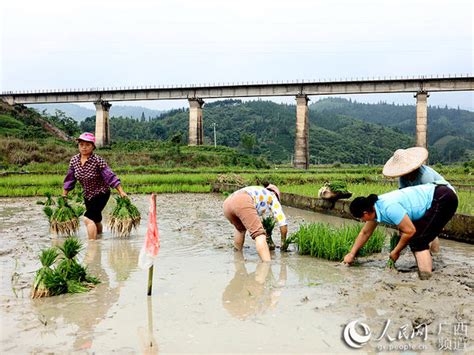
(327, 242)
(466, 197)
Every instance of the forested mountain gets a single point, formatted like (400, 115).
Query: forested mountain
(450, 131)
(340, 130)
(267, 128)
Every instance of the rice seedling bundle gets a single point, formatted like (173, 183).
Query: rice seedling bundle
(338, 186)
(47, 259)
(268, 224)
(64, 219)
(334, 191)
(327, 242)
(67, 277)
(124, 217)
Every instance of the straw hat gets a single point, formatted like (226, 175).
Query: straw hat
(405, 161)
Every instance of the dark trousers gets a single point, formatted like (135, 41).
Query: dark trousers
(95, 205)
(443, 207)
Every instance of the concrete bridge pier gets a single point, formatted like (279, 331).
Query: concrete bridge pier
(102, 128)
(421, 119)
(301, 160)
(196, 130)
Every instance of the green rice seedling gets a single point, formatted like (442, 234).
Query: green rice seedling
(394, 239)
(74, 286)
(71, 247)
(289, 240)
(55, 282)
(327, 242)
(68, 277)
(268, 224)
(124, 217)
(64, 220)
(338, 186)
(47, 259)
(390, 264)
(49, 200)
(68, 266)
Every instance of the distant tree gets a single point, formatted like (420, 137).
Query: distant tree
(177, 138)
(65, 123)
(143, 118)
(248, 142)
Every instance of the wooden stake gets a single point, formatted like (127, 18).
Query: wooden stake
(150, 280)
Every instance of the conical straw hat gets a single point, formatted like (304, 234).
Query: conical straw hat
(404, 161)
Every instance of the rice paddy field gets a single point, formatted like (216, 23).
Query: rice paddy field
(208, 298)
(361, 181)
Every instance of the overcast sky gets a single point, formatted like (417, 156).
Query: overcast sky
(78, 44)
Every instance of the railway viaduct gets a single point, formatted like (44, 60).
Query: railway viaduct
(301, 90)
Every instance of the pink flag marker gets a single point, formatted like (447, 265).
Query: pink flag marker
(152, 238)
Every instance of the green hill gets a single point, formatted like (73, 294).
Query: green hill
(340, 130)
(442, 122)
(19, 121)
(268, 129)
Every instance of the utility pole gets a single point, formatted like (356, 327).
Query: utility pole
(215, 142)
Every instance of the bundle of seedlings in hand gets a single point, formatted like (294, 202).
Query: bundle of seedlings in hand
(268, 224)
(327, 242)
(64, 219)
(49, 200)
(124, 217)
(394, 239)
(289, 240)
(47, 258)
(68, 277)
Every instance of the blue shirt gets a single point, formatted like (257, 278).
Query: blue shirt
(413, 201)
(425, 175)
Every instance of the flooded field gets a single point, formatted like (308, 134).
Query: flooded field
(208, 298)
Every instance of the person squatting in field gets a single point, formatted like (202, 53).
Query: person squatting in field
(420, 212)
(96, 178)
(408, 166)
(243, 209)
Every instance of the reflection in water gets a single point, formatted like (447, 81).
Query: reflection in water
(71, 309)
(123, 257)
(252, 294)
(147, 340)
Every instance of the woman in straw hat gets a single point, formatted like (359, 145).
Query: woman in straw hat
(407, 165)
(420, 212)
(96, 178)
(243, 209)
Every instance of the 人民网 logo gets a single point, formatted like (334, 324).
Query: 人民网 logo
(353, 338)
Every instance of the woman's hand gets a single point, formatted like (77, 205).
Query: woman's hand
(121, 192)
(349, 258)
(394, 255)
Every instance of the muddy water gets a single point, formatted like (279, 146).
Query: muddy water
(207, 298)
